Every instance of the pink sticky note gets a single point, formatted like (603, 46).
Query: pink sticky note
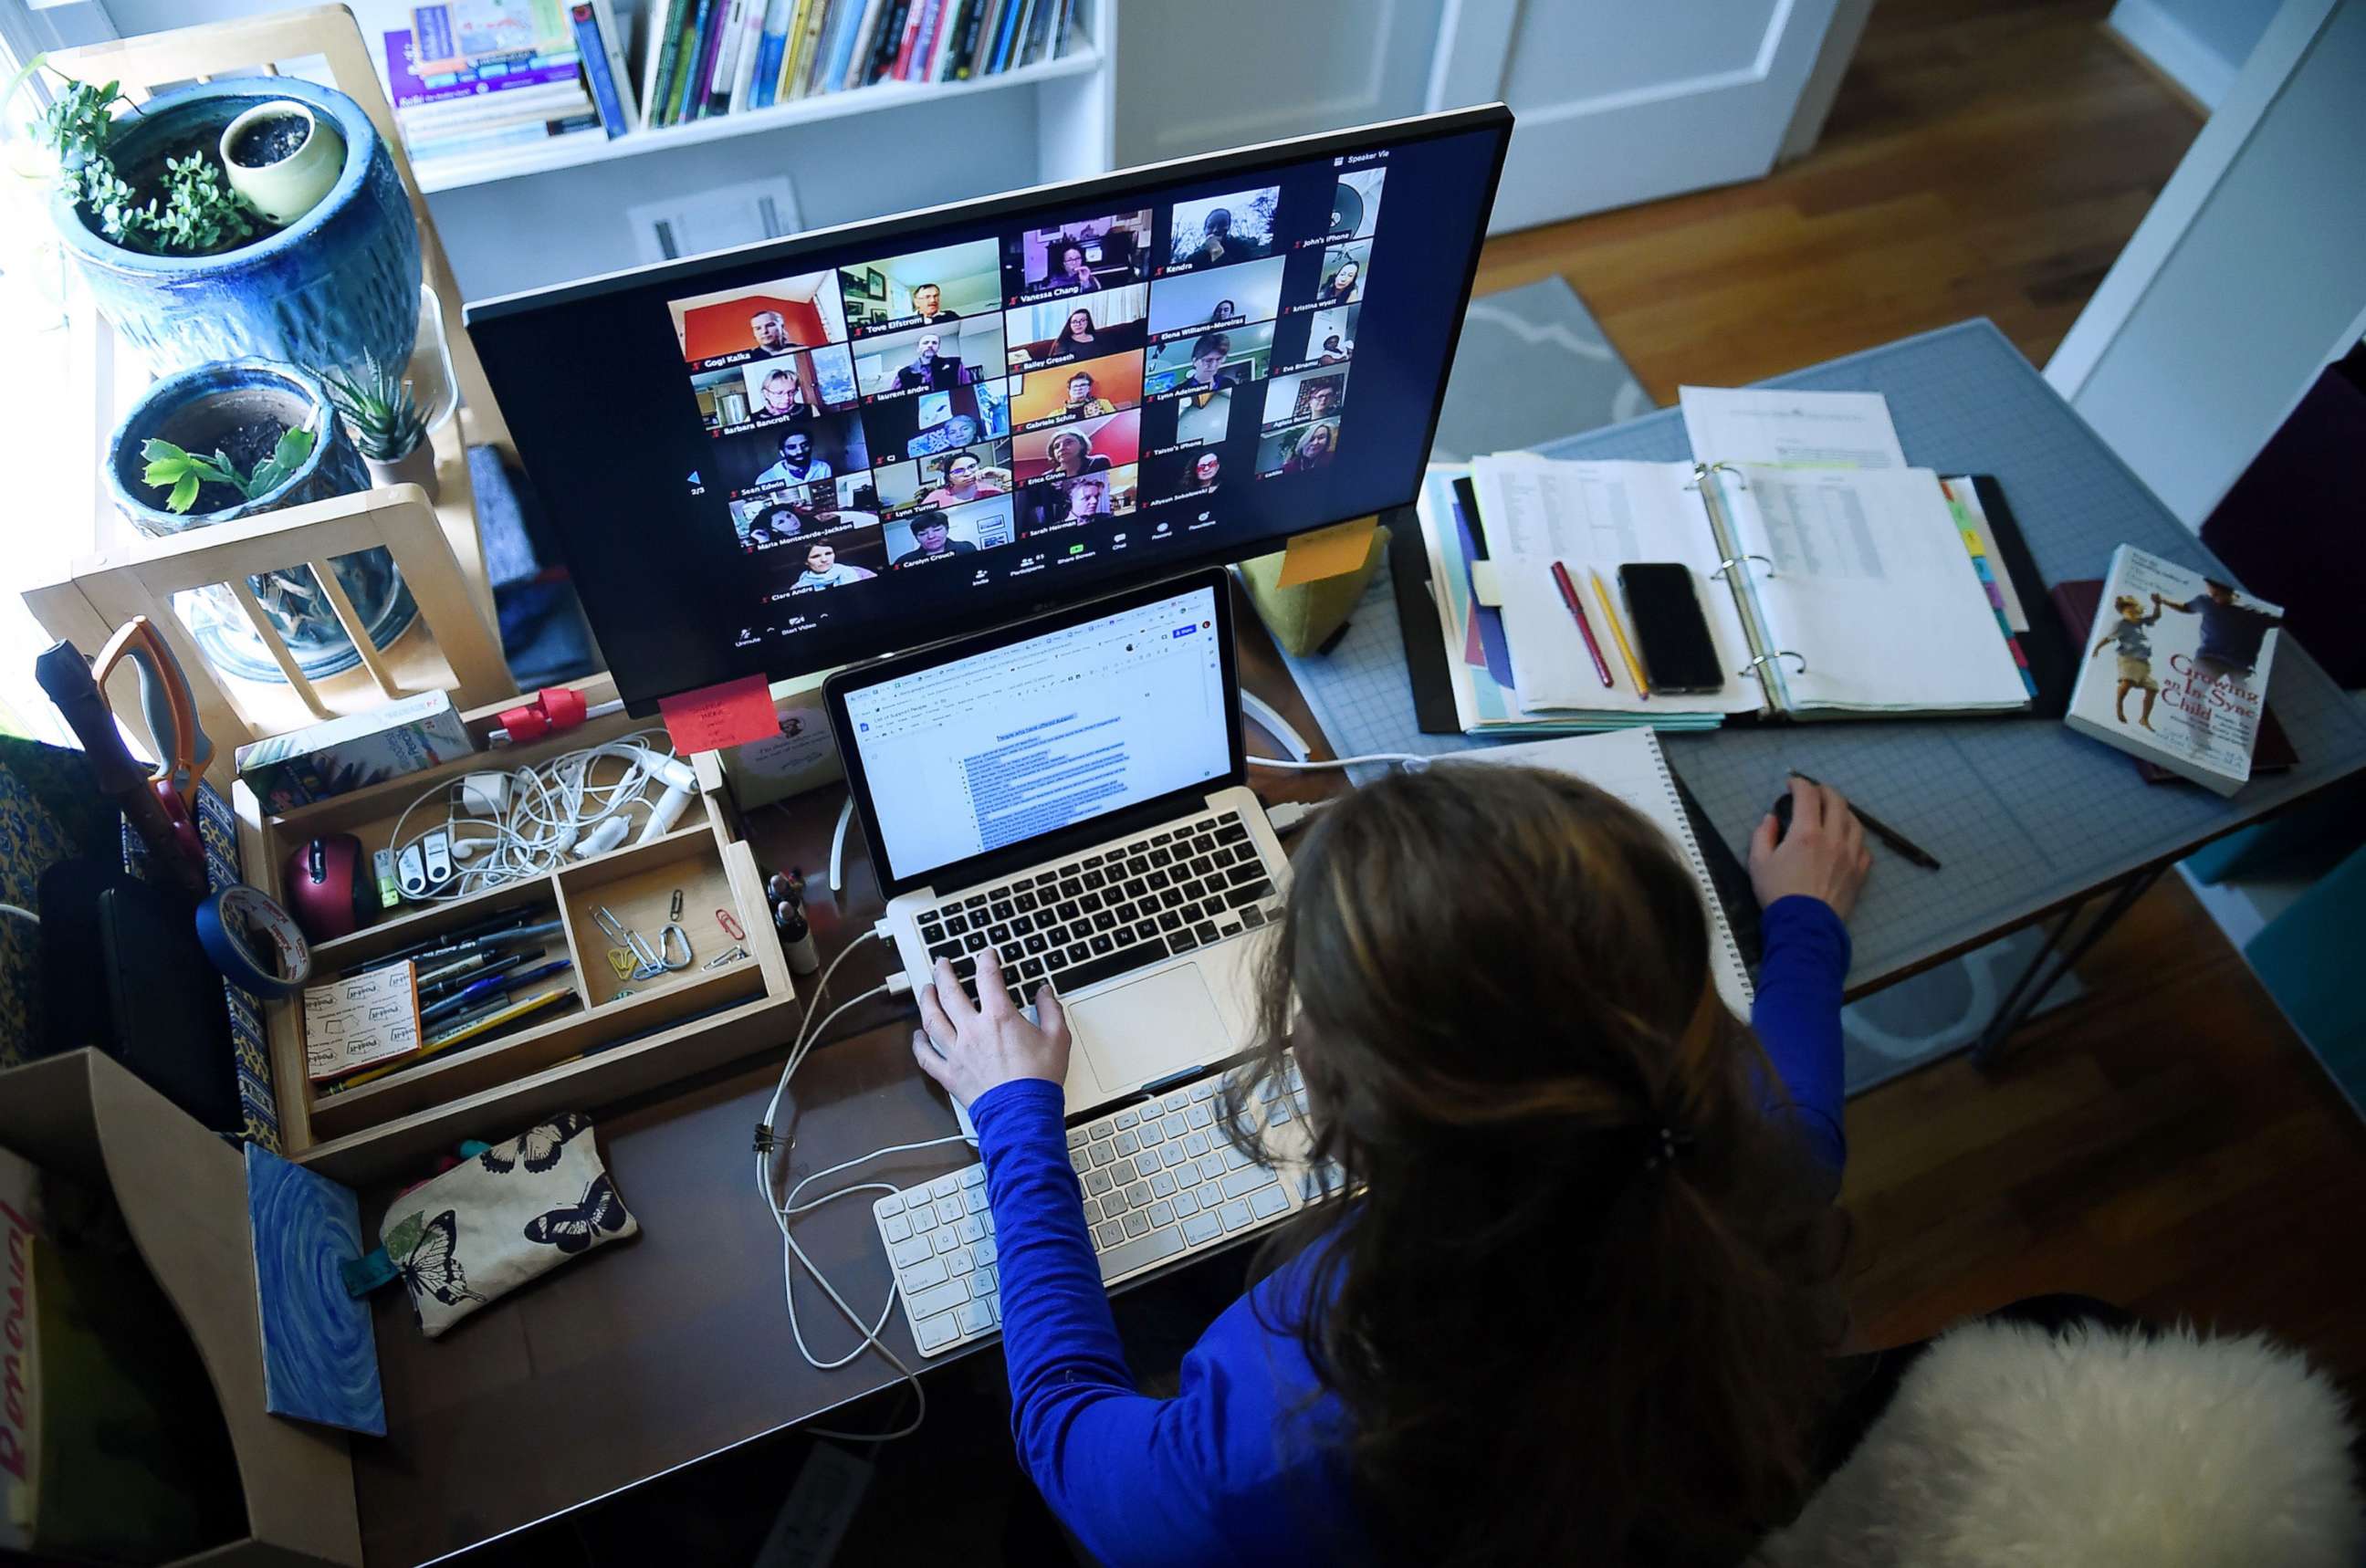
(714, 716)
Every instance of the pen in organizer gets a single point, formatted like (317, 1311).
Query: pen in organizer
(496, 984)
(1584, 627)
(499, 1017)
(1618, 635)
(1914, 852)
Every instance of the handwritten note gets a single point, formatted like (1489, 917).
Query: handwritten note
(712, 717)
(360, 1021)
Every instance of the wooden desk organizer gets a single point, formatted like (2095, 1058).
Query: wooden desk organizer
(609, 1045)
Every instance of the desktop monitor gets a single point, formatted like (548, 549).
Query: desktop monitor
(783, 457)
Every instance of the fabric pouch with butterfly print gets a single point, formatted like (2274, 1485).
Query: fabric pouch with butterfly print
(493, 1222)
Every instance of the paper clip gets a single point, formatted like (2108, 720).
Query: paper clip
(622, 962)
(674, 912)
(731, 926)
(728, 955)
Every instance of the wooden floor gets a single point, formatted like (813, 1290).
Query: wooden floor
(1984, 158)
(2166, 1142)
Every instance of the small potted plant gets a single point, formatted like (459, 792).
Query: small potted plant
(386, 424)
(224, 441)
(282, 159)
(198, 254)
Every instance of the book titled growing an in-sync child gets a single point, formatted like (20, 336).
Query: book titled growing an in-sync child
(2176, 670)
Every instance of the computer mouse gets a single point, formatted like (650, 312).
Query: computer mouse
(1782, 809)
(326, 888)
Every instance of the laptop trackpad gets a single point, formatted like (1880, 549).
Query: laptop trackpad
(1150, 1028)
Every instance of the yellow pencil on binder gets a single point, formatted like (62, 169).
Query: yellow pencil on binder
(1618, 635)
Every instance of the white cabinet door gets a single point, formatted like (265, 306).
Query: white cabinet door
(1619, 102)
(1201, 75)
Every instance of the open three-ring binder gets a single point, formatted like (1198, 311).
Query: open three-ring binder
(1829, 593)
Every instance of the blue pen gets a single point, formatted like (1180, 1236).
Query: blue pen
(493, 986)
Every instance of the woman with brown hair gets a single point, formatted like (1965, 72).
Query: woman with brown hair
(1569, 1310)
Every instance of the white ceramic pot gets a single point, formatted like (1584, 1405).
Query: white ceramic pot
(296, 179)
(416, 466)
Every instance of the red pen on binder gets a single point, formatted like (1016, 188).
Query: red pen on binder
(1577, 613)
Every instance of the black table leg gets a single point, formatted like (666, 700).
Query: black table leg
(2052, 961)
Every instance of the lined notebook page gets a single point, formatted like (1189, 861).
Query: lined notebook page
(1595, 517)
(1629, 764)
(1871, 585)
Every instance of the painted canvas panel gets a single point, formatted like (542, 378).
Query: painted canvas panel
(319, 1360)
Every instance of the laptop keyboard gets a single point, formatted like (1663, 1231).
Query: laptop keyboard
(1105, 915)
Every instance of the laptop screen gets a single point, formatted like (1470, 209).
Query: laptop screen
(1024, 740)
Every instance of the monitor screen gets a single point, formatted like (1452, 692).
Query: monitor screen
(960, 757)
(781, 458)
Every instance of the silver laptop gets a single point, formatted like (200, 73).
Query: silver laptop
(1071, 791)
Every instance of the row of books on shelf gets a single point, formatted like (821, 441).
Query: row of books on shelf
(474, 81)
(702, 58)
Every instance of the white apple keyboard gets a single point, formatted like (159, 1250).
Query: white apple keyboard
(1161, 1181)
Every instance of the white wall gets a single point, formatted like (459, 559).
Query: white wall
(2247, 275)
(2199, 44)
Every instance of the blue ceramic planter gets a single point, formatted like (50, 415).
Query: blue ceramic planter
(339, 283)
(194, 410)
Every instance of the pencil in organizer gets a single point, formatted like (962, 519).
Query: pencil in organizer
(497, 1018)
(1618, 635)
(1577, 613)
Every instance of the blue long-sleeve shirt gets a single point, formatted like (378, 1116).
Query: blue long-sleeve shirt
(1243, 1465)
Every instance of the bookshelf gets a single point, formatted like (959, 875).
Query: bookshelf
(1084, 58)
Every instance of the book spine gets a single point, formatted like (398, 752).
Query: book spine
(821, 18)
(940, 29)
(485, 106)
(770, 53)
(796, 55)
(743, 71)
(595, 70)
(686, 44)
(712, 14)
(447, 147)
(1008, 26)
(666, 66)
(656, 18)
(620, 71)
(849, 48)
(914, 20)
(883, 49)
(965, 64)
(727, 58)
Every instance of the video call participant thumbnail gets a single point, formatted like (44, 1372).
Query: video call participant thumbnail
(1356, 204)
(839, 559)
(802, 452)
(1298, 449)
(926, 423)
(1085, 447)
(1085, 256)
(1218, 231)
(803, 384)
(1309, 395)
(1330, 336)
(1183, 475)
(1076, 390)
(1058, 331)
(929, 359)
(1054, 505)
(1198, 300)
(1191, 419)
(934, 534)
(1344, 267)
(765, 318)
(925, 289)
(1212, 360)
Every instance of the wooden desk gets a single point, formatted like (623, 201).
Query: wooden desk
(648, 1355)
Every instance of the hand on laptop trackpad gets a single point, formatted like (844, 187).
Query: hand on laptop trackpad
(1142, 1031)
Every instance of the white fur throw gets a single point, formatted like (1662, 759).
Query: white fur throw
(2007, 1448)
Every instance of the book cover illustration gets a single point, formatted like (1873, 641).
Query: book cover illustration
(2176, 670)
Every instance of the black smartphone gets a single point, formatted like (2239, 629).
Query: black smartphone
(1670, 634)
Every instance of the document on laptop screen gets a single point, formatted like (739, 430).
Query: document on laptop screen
(1021, 741)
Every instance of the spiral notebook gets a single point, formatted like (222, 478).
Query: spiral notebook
(1629, 764)
(1829, 592)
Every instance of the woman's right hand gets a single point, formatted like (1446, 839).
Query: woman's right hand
(1823, 856)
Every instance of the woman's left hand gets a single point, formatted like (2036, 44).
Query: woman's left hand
(969, 1048)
